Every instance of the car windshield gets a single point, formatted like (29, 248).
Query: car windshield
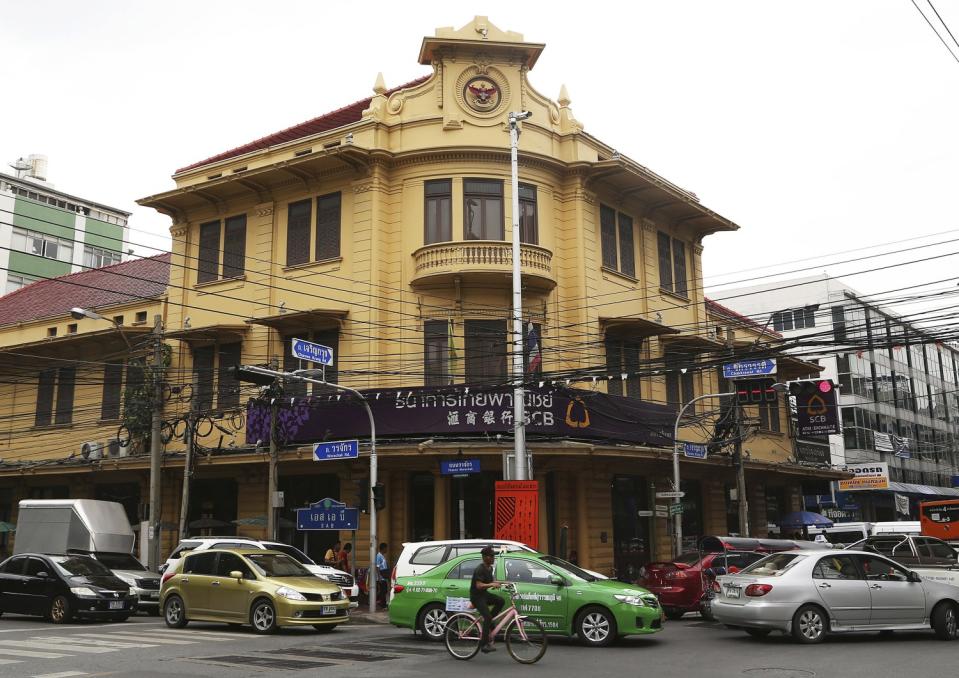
(690, 558)
(568, 568)
(293, 552)
(80, 566)
(843, 537)
(773, 565)
(120, 561)
(277, 565)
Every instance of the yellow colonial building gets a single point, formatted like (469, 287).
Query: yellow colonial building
(381, 230)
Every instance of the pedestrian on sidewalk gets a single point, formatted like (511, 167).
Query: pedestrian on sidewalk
(343, 559)
(332, 555)
(382, 574)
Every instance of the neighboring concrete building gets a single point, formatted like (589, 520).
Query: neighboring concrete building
(898, 386)
(380, 230)
(45, 233)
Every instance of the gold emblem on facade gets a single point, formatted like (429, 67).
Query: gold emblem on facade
(482, 94)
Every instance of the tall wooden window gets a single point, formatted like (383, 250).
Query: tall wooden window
(228, 388)
(234, 246)
(617, 242)
(438, 211)
(623, 357)
(204, 358)
(680, 386)
(112, 390)
(672, 264)
(298, 221)
(436, 356)
(483, 209)
(328, 226)
(45, 386)
(485, 351)
(66, 382)
(208, 261)
(528, 221)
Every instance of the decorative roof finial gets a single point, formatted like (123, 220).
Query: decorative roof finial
(379, 87)
(564, 100)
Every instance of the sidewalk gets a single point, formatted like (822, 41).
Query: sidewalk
(361, 615)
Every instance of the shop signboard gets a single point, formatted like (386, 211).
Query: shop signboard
(874, 476)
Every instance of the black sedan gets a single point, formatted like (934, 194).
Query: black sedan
(63, 587)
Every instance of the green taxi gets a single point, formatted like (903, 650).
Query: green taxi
(566, 599)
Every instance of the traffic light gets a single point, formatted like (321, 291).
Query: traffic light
(755, 391)
(379, 496)
(363, 495)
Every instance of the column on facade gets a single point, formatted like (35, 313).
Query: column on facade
(441, 503)
(581, 479)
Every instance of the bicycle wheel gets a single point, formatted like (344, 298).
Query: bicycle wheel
(526, 640)
(463, 635)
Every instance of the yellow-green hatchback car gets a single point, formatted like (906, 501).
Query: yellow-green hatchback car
(265, 589)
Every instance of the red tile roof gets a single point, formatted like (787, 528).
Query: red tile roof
(716, 307)
(338, 118)
(99, 287)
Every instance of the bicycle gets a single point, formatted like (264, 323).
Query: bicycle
(525, 636)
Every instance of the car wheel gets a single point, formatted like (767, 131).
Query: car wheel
(174, 612)
(809, 624)
(596, 626)
(432, 621)
(945, 622)
(759, 633)
(324, 628)
(60, 611)
(263, 616)
(673, 614)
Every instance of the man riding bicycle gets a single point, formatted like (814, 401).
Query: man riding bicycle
(482, 599)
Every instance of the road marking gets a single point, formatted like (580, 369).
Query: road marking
(98, 639)
(147, 638)
(58, 646)
(213, 635)
(29, 653)
(62, 674)
(10, 661)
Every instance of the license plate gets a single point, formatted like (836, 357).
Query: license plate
(732, 592)
(328, 609)
(116, 604)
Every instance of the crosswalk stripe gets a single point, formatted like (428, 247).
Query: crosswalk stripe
(59, 645)
(29, 653)
(148, 638)
(224, 635)
(98, 639)
(10, 661)
(62, 674)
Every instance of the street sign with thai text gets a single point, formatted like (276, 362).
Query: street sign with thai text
(310, 352)
(694, 450)
(743, 369)
(341, 449)
(327, 514)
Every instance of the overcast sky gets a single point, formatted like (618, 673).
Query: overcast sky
(817, 126)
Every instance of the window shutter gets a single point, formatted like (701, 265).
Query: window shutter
(607, 231)
(328, 226)
(203, 377)
(627, 256)
(528, 225)
(438, 211)
(112, 381)
(227, 387)
(679, 266)
(614, 366)
(298, 232)
(436, 353)
(66, 382)
(295, 389)
(234, 246)
(486, 351)
(208, 260)
(665, 262)
(631, 366)
(45, 384)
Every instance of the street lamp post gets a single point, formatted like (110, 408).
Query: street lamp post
(519, 406)
(301, 375)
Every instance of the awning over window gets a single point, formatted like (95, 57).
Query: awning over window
(930, 490)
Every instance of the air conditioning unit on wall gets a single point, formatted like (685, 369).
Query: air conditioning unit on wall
(115, 449)
(92, 450)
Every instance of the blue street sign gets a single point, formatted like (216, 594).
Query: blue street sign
(341, 449)
(457, 467)
(694, 450)
(749, 368)
(327, 514)
(314, 353)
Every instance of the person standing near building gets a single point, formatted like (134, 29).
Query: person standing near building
(332, 555)
(343, 558)
(382, 574)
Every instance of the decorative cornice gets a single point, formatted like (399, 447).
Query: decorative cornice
(698, 250)
(649, 226)
(179, 230)
(263, 212)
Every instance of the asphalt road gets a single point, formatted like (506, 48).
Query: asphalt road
(145, 648)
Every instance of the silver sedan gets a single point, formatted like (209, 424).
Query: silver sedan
(813, 593)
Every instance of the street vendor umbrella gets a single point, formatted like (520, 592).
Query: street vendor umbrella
(801, 519)
(7, 527)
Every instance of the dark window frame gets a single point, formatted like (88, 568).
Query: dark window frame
(436, 353)
(673, 264)
(617, 241)
(299, 231)
(46, 386)
(528, 215)
(485, 363)
(112, 396)
(437, 211)
(624, 356)
(66, 389)
(329, 226)
(491, 217)
(208, 256)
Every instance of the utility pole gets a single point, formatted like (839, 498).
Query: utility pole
(519, 370)
(187, 474)
(738, 446)
(271, 482)
(156, 445)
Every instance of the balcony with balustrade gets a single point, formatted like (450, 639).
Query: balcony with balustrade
(482, 261)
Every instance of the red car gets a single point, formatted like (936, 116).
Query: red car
(681, 583)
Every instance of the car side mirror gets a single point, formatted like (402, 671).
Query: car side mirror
(42, 574)
(914, 577)
(236, 574)
(556, 580)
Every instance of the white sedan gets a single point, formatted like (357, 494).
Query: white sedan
(810, 594)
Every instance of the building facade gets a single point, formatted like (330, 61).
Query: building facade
(898, 387)
(46, 233)
(380, 231)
